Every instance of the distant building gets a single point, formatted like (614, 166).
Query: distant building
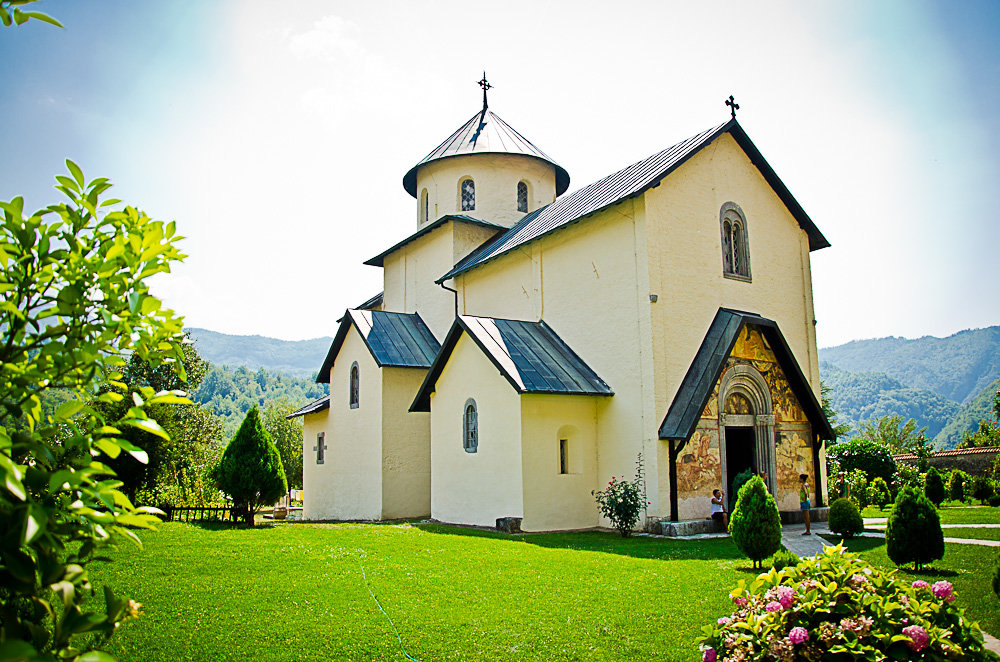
(529, 344)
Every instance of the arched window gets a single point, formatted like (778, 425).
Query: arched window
(522, 196)
(355, 386)
(468, 195)
(735, 246)
(470, 427)
(424, 207)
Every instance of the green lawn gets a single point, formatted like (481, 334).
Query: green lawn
(951, 513)
(971, 532)
(296, 592)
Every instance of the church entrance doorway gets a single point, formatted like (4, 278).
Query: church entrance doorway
(740, 443)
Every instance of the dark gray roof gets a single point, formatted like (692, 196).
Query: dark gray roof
(529, 354)
(312, 407)
(372, 303)
(378, 259)
(485, 133)
(707, 366)
(626, 183)
(397, 340)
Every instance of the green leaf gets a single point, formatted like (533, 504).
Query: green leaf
(108, 446)
(45, 18)
(34, 524)
(76, 172)
(12, 477)
(148, 425)
(66, 410)
(15, 650)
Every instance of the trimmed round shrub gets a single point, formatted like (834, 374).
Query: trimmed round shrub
(982, 488)
(872, 457)
(913, 533)
(878, 494)
(755, 524)
(738, 482)
(845, 518)
(994, 500)
(956, 485)
(934, 486)
(784, 558)
(835, 606)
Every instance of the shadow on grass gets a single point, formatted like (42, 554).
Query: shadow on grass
(641, 547)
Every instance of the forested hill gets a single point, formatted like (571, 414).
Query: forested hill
(301, 358)
(958, 367)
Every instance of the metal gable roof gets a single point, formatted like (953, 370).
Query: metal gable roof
(379, 259)
(628, 182)
(707, 366)
(530, 355)
(396, 340)
(312, 407)
(485, 133)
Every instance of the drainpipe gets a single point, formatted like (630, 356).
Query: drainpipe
(455, 292)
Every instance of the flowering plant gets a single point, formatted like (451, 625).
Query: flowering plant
(621, 502)
(836, 606)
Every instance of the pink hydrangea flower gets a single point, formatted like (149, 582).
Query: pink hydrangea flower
(724, 620)
(859, 579)
(709, 655)
(798, 635)
(740, 602)
(786, 594)
(943, 590)
(920, 584)
(774, 606)
(918, 638)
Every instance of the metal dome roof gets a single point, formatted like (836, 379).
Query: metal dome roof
(485, 133)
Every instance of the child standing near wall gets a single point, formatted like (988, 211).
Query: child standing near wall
(804, 503)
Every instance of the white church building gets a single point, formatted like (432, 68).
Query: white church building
(530, 343)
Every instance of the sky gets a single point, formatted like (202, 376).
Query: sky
(276, 135)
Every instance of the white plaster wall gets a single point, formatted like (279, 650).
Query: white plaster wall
(406, 447)
(475, 488)
(354, 453)
(496, 177)
(552, 500)
(316, 478)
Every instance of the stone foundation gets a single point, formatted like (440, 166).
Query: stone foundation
(509, 524)
(796, 516)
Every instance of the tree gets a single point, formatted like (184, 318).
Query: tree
(988, 433)
(75, 304)
(250, 471)
(287, 435)
(872, 456)
(845, 519)
(913, 532)
(956, 485)
(755, 524)
(878, 493)
(982, 489)
(900, 437)
(840, 430)
(934, 487)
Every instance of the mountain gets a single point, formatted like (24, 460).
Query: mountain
(301, 358)
(957, 367)
(968, 417)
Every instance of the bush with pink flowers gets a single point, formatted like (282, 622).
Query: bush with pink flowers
(837, 607)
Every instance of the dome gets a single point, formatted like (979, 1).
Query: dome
(485, 133)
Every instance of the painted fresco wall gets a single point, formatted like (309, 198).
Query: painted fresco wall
(554, 500)
(699, 467)
(475, 488)
(496, 177)
(406, 447)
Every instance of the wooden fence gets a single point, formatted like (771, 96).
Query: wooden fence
(198, 513)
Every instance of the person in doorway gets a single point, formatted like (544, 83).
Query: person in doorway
(718, 510)
(804, 503)
(763, 477)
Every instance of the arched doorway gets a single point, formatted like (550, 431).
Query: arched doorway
(746, 425)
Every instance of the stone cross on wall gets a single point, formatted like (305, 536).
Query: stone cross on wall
(320, 447)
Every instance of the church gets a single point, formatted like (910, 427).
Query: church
(530, 344)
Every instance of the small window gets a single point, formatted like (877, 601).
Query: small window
(355, 386)
(470, 427)
(424, 207)
(468, 195)
(522, 196)
(320, 447)
(564, 456)
(735, 247)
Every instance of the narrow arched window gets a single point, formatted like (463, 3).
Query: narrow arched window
(355, 386)
(735, 245)
(470, 427)
(468, 195)
(522, 196)
(424, 207)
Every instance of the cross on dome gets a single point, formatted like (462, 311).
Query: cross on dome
(485, 85)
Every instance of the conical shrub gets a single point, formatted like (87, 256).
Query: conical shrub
(250, 471)
(934, 486)
(913, 533)
(755, 525)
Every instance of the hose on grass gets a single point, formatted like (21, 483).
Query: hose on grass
(384, 613)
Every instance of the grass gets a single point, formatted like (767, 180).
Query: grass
(978, 534)
(296, 592)
(951, 512)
